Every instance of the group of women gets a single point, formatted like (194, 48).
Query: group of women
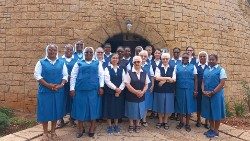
(91, 85)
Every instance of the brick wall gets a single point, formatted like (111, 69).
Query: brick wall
(26, 26)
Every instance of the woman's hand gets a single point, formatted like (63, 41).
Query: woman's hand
(161, 83)
(72, 93)
(195, 93)
(52, 86)
(151, 89)
(100, 91)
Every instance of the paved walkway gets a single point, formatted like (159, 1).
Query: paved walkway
(150, 133)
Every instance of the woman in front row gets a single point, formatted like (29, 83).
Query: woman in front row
(51, 74)
(113, 98)
(186, 91)
(136, 81)
(213, 102)
(84, 88)
(164, 91)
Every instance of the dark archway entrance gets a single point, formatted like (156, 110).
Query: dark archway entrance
(131, 40)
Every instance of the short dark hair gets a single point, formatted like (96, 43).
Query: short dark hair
(215, 56)
(107, 45)
(192, 48)
(157, 49)
(127, 47)
(177, 48)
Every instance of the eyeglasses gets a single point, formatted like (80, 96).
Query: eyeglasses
(143, 56)
(137, 62)
(99, 52)
(185, 58)
(164, 58)
(88, 52)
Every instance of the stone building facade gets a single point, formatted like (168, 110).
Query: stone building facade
(26, 26)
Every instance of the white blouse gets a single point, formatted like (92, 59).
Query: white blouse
(158, 72)
(38, 70)
(127, 78)
(108, 81)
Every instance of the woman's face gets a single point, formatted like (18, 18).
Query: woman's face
(99, 54)
(190, 51)
(165, 61)
(127, 52)
(176, 53)
(144, 57)
(88, 54)
(185, 59)
(52, 52)
(137, 64)
(68, 51)
(115, 59)
(157, 54)
(149, 50)
(79, 47)
(203, 58)
(137, 51)
(120, 52)
(212, 61)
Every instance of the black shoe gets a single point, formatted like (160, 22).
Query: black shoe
(152, 115)
(198, 124)
(159, 125)
(180, 125)
(188, 128)
(206, 126)
(61, 123)
(172, 117)
(79, 134)
(91, 134)
(165, 126)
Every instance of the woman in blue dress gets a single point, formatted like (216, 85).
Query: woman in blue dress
(201, 66)
(213, 101)
(136, 81)
(176, 59)
(192, 58)
(69, 60)
(165, 76)
(186, 91)
(146, 66)
(87, 80)
(99, 56)
(51, 74)
(113, 98)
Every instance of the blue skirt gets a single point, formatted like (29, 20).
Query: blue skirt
(50, 106)
(148, 100)
(86, 105)
(134, 110)
(68, 99)
(198, 101)
(164, 103)
(213, 108)
(113, 107)
(185, 101)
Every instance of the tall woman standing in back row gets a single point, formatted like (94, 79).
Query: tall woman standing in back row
(51, 74)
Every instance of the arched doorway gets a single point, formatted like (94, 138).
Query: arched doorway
(123, 39)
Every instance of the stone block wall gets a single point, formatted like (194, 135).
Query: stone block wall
(27, 26)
